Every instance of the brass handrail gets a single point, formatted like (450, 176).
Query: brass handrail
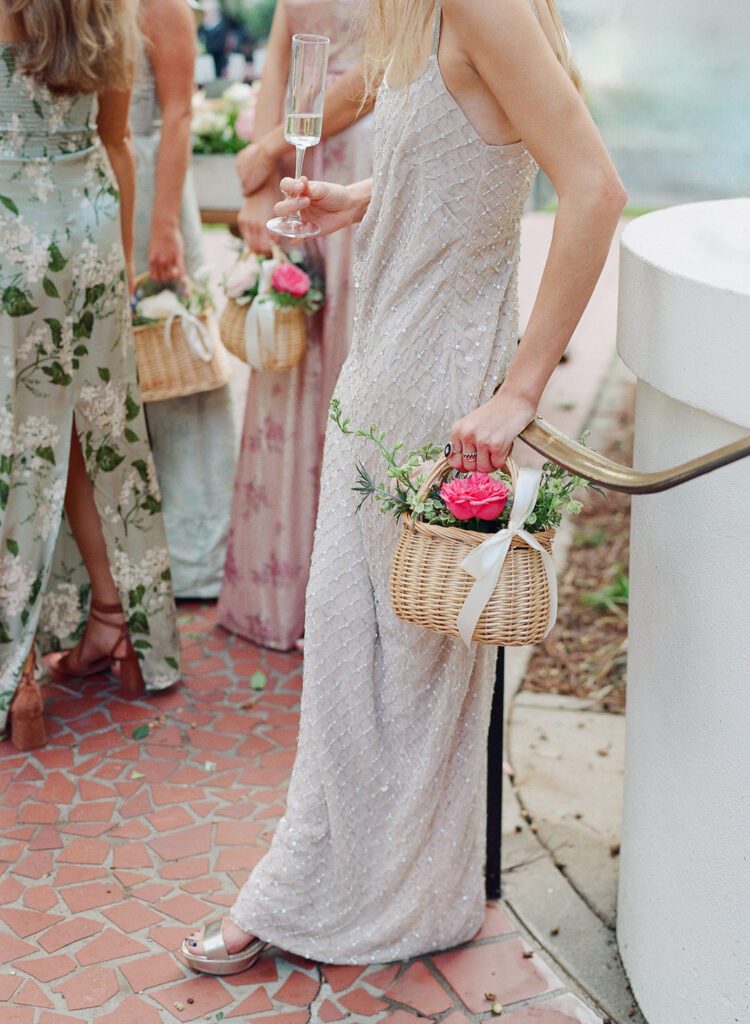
(545, 439)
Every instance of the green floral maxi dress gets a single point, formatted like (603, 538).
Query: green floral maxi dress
(66, 348)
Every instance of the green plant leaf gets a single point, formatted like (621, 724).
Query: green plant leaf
(17, 303)
(57, 261)
(50, 288)
(12, 546)
(104, 374)
(172, 662)
(9, 204)
(108, 458)
(258, 680)
(140, 732)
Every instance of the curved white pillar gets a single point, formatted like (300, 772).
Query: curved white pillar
(684, 900)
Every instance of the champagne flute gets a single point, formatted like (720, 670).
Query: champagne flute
(304, 117)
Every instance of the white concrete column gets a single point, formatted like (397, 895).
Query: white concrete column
(684, 900)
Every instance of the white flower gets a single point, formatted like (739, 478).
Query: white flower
(244, 277)
(16, 581)
(37, 432)
(160, 306)
(238, 93)
(7, 431)
(104, 405)
(209, 122)
(49, 510)
(62, 612)
(129, 575)
(41, 179)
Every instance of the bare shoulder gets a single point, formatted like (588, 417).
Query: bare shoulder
(506, 27)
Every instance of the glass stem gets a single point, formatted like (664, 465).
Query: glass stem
(298, 174)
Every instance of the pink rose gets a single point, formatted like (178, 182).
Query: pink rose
(245, 124)
(478, 496)
(288, 278)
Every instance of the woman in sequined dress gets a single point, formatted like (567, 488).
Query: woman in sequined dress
(380, 854)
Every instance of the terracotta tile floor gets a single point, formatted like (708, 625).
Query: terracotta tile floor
(139, 820)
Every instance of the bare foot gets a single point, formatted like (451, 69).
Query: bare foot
(234, 938)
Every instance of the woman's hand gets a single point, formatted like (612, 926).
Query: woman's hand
(255, 165)
(256, 211)
(166, 252)
(488, 433)
(330, 206)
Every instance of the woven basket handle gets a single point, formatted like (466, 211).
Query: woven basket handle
(442, 470)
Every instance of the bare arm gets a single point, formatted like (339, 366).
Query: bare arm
(170, 32)
(113, 125)
(268, 112)
(507, 48)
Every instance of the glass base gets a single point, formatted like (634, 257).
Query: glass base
(290, 227)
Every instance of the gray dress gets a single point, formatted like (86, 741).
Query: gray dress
(193, 439)
(380, 854)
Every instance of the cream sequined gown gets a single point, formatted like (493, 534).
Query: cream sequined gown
(380, 855)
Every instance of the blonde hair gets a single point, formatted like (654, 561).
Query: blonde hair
(395, 29)
(74, 46)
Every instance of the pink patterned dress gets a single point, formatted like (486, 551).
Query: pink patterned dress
(276, 489)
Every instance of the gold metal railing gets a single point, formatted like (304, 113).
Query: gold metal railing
(545, 439)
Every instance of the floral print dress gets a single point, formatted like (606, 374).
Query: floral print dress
(66, 349)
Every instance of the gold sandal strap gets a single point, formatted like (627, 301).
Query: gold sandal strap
(213, 942)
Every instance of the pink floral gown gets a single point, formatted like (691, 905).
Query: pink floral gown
(276, 489)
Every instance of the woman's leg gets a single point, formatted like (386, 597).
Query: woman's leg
(101, 631)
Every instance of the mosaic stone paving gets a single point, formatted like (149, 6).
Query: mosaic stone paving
(139, 820)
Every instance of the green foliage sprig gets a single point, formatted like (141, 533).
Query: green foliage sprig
(401, 494)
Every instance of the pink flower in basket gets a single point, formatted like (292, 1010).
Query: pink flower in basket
(478, 496)
(288, 278)
(245, 124)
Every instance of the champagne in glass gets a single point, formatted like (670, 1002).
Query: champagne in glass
(304, 117)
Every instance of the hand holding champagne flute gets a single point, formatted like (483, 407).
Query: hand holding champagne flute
(304, 117)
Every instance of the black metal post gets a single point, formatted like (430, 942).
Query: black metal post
(495, 760)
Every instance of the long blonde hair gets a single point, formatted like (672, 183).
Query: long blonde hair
(395, 29)
(76, 45)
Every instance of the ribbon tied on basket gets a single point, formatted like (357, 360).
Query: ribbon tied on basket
(166, 306)
(260, 322)
(486, 561)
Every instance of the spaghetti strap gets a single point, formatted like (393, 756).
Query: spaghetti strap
(436, 30)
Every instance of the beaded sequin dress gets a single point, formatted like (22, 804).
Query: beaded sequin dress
(380, 854)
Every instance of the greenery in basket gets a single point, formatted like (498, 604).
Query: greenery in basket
(473, 501)
(155, 301)
(290, 285)
(224, 125)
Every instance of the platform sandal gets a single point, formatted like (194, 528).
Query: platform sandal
(26, 712)
(128, 670)
(215, 958)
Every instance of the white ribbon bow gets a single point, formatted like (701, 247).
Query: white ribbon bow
(260, 322)
(485, 562)
(199, 340)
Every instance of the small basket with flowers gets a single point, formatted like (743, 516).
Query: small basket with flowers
(178, 347)
(473, 558)
(264, 321)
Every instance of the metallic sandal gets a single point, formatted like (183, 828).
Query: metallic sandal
(216, 960)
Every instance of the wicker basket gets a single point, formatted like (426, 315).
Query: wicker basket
(429, 587)
(172, 370)
(290, 336)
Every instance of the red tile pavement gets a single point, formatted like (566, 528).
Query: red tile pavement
(114, 845)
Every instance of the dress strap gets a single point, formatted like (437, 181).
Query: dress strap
(436, 30)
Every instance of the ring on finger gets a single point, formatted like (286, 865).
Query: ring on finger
(469, 456)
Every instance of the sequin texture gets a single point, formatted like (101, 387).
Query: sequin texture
(380, 854)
